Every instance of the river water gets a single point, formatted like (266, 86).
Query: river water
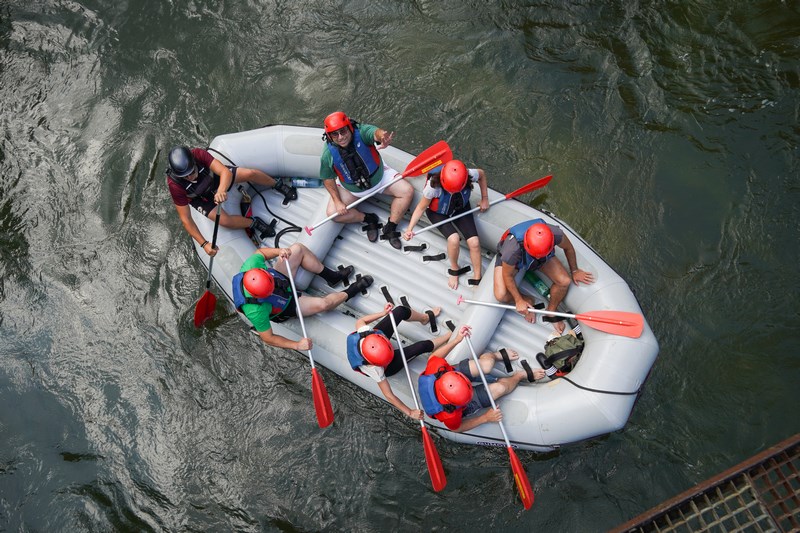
(671, 128)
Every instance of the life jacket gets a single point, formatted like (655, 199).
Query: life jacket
(279, 298)
(354, 356)
(448, 203)
(437, 366)
(356, 163)
(527, 262)
(203, 186)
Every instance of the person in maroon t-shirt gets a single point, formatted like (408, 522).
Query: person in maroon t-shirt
(198, 180)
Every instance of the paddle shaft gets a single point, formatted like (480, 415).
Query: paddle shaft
(363, 198)
(522, 190)
(213, 245)
(582, 316)
(486, 385)
(405, 365)
(299, 313)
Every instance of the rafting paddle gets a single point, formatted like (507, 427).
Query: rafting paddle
(322, 402)
(615, 322)
(532, 186)
(436, 155)
(520, 477)
(207, 302)
(435, 468)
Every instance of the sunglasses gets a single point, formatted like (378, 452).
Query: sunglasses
(339, 133)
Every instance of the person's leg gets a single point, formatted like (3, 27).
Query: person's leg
(453, 247)
(311, 305)
(252, 175)
(503, 386)
(230, 221)
(403, 193)
(501, 294)
(474, 246)
(554, 270)
(411, 351)
(353, 214)
(400, 313)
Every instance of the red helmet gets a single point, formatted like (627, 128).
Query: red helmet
(259, 282)
(336, 121)
(377, 349)
(453, 388)
(539, 240)
(454, 176)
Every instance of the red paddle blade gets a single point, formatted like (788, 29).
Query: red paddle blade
(532, 186)
(615, 322)
(436, 155)
(322, 403)
(435, 468)
(204, 308)
(521, 479)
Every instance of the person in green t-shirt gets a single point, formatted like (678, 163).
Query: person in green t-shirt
(263, 293)
(352, 168)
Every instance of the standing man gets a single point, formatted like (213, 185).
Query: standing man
(198, 180)
(531, 246)
(352, 168)
(264, 294)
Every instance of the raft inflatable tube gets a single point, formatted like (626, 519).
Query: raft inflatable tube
(594, 399)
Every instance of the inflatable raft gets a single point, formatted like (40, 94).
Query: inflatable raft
(596, 398)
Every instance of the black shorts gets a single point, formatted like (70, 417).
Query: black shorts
(465, 224)
(289, 312)
(205, 204)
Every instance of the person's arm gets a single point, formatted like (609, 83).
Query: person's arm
(191, 228)
(333, 190)
(368, 319)
(279, 341)
(386, 389)
(383, 138)
(272, 253)
(490, 415)
(444, 350)
(225, 179)
(577, 274)
(415, 216)
(484, 203)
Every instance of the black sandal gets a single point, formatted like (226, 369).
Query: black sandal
(528, 370)
(460, 271)
(506, 360)
(432, 321)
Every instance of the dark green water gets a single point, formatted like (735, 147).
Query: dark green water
(671, 129)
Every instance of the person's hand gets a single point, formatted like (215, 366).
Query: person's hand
(340, 207)
(221, 196)
(522, 306)
(304, 344)
(416, 414)
(494, 415)
(408, 235)
(465, 331)
(386, 141)
(284, 253)
(209, 250)
(484, 205)
(387, 308)
(579, 276)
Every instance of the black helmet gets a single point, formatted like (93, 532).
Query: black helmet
(181, 162)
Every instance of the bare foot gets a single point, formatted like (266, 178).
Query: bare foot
(559, 327)
(452, 281)
(512, 355)
(435, 310)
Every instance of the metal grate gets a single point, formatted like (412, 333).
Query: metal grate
(761, 494)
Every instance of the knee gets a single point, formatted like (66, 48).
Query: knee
(454, 239)
(473, 243)
(401, 312)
